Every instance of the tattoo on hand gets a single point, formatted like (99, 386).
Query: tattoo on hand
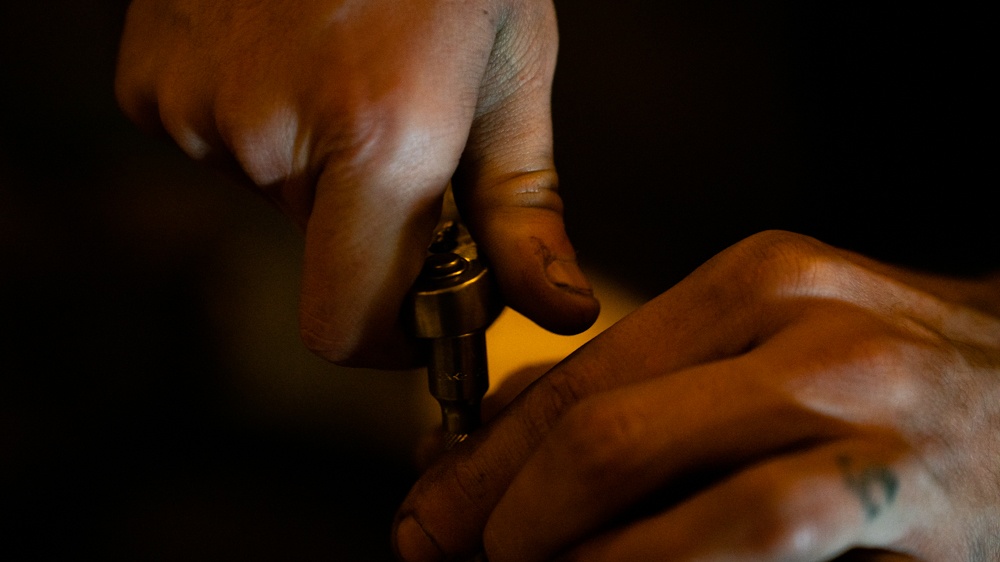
(875, 485)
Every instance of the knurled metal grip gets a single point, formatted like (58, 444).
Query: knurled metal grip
(452, 297)
(450, 306)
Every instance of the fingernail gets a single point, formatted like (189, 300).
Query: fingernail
(413, 544)
(568, 276)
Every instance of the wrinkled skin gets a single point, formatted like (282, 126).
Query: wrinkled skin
(787, 401)
(352, 116)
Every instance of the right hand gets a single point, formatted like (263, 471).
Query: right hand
(352, 116)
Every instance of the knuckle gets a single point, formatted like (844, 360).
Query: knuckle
(756, 266)
(354, 126)
(881, 349)
(136, 100)
(600, 435)
(782, 527)
(784, 539)
(470, 484)
(263, 137)
(446, 488)
(900, 351)
(536, 189)
(556, 392)
(127, 95)
(387, 141)
(131, 76)
(780, 262)
(329, 340)
(176, 117)
(170, 106)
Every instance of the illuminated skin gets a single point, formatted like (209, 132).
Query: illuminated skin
(352, 116)
(786, 401)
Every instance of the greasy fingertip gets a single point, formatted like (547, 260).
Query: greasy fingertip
(567, 276)
(413, 544)
(547, 286)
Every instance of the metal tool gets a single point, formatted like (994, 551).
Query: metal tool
(450, 306)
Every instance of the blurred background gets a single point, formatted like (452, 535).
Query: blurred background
(155, 400)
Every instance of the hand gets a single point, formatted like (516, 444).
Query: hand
(786, 401)
(353, 116)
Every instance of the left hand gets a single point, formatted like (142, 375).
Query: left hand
(786, 401)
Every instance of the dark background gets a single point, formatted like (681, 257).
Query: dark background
(155, 402)
(682, 127)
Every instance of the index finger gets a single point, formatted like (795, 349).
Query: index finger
(694, 322)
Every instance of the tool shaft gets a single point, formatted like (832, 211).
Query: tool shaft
(458, 377)
(450, 306)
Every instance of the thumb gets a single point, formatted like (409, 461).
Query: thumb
(507, 187)
(519, 228)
